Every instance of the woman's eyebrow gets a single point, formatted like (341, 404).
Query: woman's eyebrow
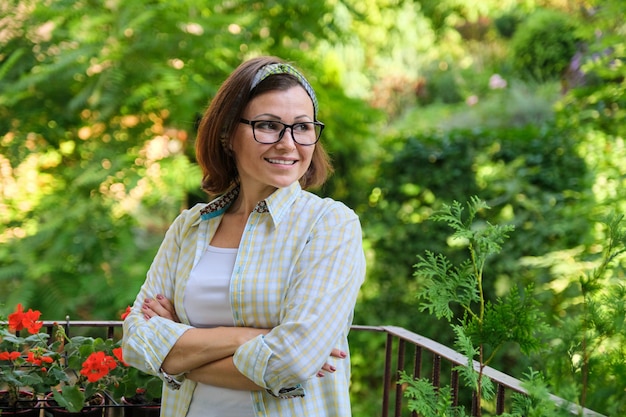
(273, 116)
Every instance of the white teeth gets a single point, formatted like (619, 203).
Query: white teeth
(281, 162)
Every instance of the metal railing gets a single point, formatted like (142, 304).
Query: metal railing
(397, 339)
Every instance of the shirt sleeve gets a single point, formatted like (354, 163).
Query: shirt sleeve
(318, 308)
(146, 343)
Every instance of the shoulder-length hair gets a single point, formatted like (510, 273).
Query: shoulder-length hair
(220, 120)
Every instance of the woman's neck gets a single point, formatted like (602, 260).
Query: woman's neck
(248, 199)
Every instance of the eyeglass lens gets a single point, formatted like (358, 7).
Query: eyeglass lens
(305, 133)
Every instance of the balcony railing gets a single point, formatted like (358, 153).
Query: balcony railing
(410, 352)
(404, 351)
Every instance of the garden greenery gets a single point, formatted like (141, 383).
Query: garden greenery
(482, 327)
(98, 103)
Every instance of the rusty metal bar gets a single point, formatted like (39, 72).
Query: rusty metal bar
(437, 371)
(417, 368)
(500, 400)
(454, 386)
(387, 376)
(400, 368)
(475, 404)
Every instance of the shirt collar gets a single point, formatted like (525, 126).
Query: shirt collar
(276, 204)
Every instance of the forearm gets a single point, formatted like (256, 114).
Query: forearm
(198, 347)
(222, 373)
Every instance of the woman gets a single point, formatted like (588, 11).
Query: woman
(264, 278)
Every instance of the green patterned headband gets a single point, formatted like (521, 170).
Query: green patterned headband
(280, 68)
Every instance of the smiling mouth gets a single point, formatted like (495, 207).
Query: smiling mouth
(280, 161)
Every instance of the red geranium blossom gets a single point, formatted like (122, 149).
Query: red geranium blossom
(119, 355)
(126, 313)
(20, 320)
(9, 356)
(97, 365)
(38, 358)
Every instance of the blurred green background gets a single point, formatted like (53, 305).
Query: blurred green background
(521, 103)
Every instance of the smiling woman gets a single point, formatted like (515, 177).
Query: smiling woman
(247, 306)
(264, 167)
(221, 121)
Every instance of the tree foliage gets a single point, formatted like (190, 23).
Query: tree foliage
(98, 109)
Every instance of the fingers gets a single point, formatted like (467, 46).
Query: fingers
(328, 368)
(337, 353)
(159, 306)
(167, 305)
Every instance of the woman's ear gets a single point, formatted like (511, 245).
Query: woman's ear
(226, 144)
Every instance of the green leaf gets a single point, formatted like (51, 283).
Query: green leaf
(72, 398)
(427, 400)
(443, 284)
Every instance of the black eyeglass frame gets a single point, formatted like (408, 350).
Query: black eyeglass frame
(281, 134)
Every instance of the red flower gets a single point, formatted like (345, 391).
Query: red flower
(117, 352)
(126, 313)
(9, 356)
(20, 320)
(38, 358)
(15, 319)
(97, 365)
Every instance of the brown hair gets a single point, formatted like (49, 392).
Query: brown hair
(220, 120)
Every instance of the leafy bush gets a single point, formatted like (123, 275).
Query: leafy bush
(596, 91)
(544, 44)
(506, 24)
(442, 86)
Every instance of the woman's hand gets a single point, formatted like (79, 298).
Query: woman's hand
(159, 306)
(335, 353)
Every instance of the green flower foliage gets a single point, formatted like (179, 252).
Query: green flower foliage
(595, 102)
(513, 318)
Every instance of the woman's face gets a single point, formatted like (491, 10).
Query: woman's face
(265, 167)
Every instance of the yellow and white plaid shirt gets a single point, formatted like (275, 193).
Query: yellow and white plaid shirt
(299, 268)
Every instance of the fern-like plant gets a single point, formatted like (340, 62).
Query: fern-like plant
(482, 326)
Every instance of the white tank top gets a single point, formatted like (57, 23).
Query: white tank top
(207, 304)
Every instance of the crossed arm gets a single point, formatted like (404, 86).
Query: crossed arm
(206, 355)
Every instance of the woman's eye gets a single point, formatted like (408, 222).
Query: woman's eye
(302, 127)
(267, 125)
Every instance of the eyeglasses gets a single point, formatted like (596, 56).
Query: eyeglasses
(270, 131)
